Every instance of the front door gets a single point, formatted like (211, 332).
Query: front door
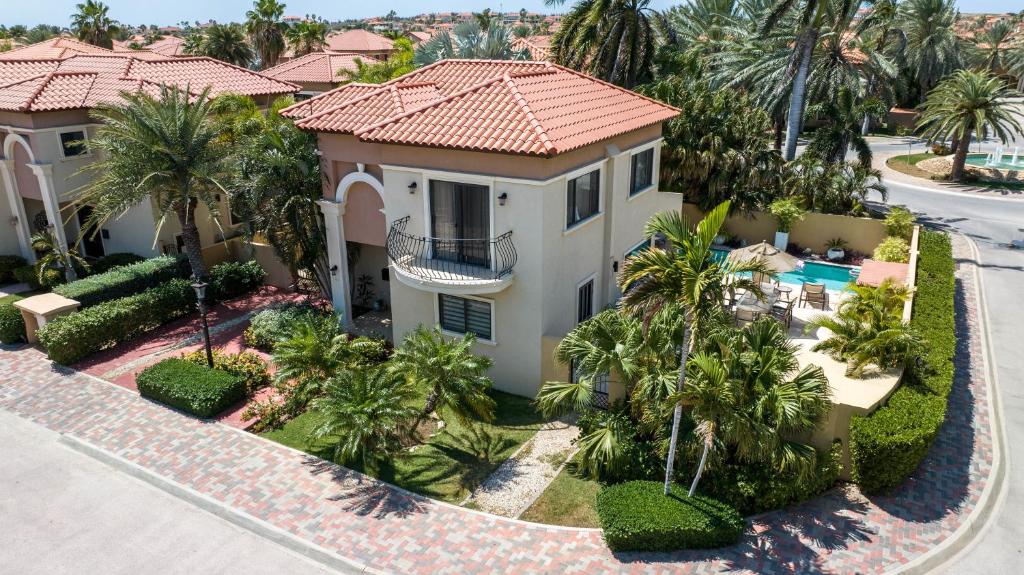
(460, 218)
(92, 243)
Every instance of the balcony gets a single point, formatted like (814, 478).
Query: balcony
(467, 266)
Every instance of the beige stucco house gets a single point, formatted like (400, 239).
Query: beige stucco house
(46, 93)
(498, 198)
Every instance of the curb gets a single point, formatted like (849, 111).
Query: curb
(994, 494)
(259, 527)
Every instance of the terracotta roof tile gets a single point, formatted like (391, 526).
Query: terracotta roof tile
(316, 67)
(55, 48)
(532, 108)
(359, 41)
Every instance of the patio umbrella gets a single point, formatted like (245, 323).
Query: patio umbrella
(776, 259)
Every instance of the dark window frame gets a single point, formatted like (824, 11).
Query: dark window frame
(635, 186)
(466, 327)
(75, 146)
(585, 300)
(571, 200)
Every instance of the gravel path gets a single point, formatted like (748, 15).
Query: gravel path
(523, 477)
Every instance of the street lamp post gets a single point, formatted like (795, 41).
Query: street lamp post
(200, 287)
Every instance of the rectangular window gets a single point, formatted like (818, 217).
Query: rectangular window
(583, 198)
(642, 174)
(463, 315)
(585, 301)
(73, 143)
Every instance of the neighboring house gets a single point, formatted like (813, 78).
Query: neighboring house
(539, 46)
(55, 48)
(44, 120)
(166, 46)
(417, 37)
(316, 72)
(362, 43)
(492, 197)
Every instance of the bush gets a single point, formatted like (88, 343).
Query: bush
(246, 365)
(51, 277)
(899, 222)
(232, 279)
(888, 445)
(639, 459)
(268, 326)
(7, 266)
(116, 260)
(12, 327)
(370, 351)
(72, 337)
(941, 149)
(893, 249)
(125, 281)
(636, 516)
(192, 388)
(787, 212)
(27, 275)
(757, 488)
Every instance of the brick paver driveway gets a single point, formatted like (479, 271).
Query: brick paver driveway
(392, 531)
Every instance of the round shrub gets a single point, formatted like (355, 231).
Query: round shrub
(893, 249)
(232, 279)
(27, 275)
(12, 327)
(192, 388)
(266, 327)
(7, 266)
(900, 223)
(370, 351)
(247, 365)
(636, 516)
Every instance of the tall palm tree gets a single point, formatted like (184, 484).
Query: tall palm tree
(470, 41)
(398, 64)
(747, 393)
(165, 149)
(685, 275)
(990, 49)
(363, 411)
(454, 376)
(92, 24)
(266, 31)
(226, 42)
(968, 102)
(842, 120)
(706, 26)
(932, 48)
(614, 40)
(307, 36)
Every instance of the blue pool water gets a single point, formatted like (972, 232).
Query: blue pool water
(834, 277)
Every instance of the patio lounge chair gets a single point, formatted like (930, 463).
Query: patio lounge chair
(783, 311)
(814, 295)
(744, 316)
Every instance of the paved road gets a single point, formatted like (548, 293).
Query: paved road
(991, 223)
(62, 512)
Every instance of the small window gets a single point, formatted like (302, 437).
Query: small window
(642, 174)
(463, 315)
(585, 301)
(73, 143)
(583, 197)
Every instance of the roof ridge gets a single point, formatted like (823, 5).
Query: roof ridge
(552, 65)
(222, 63)
(24, 80)
(396, 99)
(525, 107)
(381, 88)
(38, 90)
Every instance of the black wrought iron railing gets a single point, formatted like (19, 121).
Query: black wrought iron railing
(450, 259)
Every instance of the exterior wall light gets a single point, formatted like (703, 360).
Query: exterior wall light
(14, 221)
(412, 188)
(334, 270)
(502, 198)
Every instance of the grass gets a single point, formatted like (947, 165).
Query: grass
(15, 297)
(568, 500)
(451, 463)
(900, 164)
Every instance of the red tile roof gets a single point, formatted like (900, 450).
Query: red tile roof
(85, 81)
(55, 48)
(531, 108)
(359, 41)
(319, 67)
(873, 273)
(539, 46)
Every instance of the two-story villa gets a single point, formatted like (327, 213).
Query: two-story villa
(492, 197)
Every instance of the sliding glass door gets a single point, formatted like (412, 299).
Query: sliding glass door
(460, 220)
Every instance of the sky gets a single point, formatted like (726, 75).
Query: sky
(167, 12)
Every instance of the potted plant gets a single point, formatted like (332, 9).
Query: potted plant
(836, 249)
(787, 212)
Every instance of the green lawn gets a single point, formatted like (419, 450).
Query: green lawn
(569, 501)
(451, 463)
(907, 164)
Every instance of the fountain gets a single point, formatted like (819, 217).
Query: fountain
(1016, 150)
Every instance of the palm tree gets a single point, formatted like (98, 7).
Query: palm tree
(226, 42)
(932, 49)
(748, 394)
(968, 102)
(92, 24)
(614, 40)
(688, 276)
(363, 411)
(312, 352)
(706, 26)
(56, 256)
(164, 149)
(485, 19)
(307, 36)
(990, 49)
(266, 30)
(832, 188)
(470, 41)
(842, 120)
(398, 64)
(447, 367)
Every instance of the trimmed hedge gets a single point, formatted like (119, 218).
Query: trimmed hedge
(7, 266)
(888, 445)
(636, 516)
(72, 337)
(232, 279)
(125, 280)
(192, 388)
(114, 260)
(247, 365)
(12, 327)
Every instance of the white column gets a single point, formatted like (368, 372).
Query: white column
(21, 226)
(337, 257)
(44, 173)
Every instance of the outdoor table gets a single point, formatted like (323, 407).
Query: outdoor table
(784, 292)
(750, 302)
(37, 310)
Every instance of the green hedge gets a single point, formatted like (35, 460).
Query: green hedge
(232, 279)
(888, 445)
(636, 516)
(247, 365)
(114, 260)
(12, 327)
(7, 266)
(72, 337)
(125, 280)
(190, 387)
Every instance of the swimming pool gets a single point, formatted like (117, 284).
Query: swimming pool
(834, 277)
